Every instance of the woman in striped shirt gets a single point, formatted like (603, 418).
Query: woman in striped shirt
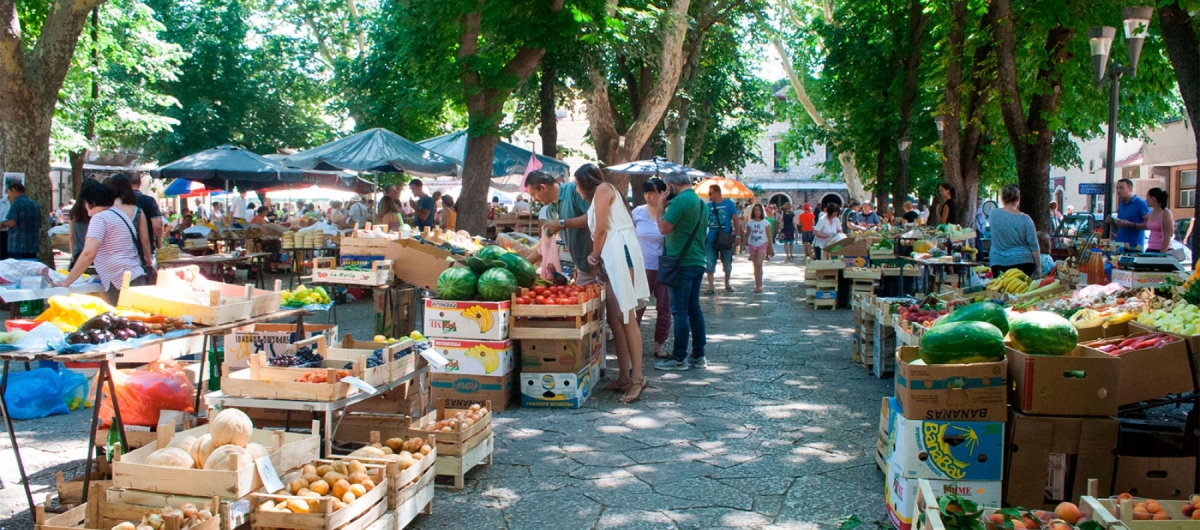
(110, 241)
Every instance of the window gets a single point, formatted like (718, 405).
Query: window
(1187, 189)
(780, 158)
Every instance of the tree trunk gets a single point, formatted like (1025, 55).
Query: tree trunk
(1030, 134)
(911, 64)
(476, 179)
(1182, 48)
(549, 125)
(77, 160)
(25, 148)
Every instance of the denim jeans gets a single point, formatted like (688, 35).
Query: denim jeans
(685, 310)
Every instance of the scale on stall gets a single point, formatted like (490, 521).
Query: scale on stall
(1149, 262)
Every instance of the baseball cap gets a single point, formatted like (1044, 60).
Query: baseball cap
(807, 207)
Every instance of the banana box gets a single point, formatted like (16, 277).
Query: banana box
(947, 450)
(900, 494)
(559, 390)
(471, 357)
(467, 320)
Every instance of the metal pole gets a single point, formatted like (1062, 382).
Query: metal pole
(1114, 92)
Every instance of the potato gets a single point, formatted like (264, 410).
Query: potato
(368, 484)
(358, 490)
(425, 449)
(297, 485)
(297, 506)
(348, 498)
(311, 477)
(417, 456)
(323, 469)
(303, 492)
(308, 468)
(333, 476)
(356, 467)
(267, 506)
(338, 504)
(387, 450)
(405, 460)
(358, 477)
(319, 486)
(340, 466)
(312, 494)
(394, 444)
(340, 488)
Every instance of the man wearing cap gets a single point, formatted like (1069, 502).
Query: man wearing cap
(807, 220)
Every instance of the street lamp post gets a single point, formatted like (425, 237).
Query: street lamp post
(1136, 20)
(900, 189)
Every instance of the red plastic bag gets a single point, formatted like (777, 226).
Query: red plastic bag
(142, 394)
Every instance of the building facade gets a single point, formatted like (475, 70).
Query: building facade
(785, 178)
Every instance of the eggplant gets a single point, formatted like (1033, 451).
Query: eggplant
(100, 322)
(79, 337)
(108, 336)
(124, 334)
(120, 322)
(95, 336)
(138, 327)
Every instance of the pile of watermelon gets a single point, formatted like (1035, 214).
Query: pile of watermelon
(976, 333)
(492, 274)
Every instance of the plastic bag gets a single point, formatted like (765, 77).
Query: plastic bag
(11, 270)
(551, 262)
(74, 389)
(143, 394)
(35, 394)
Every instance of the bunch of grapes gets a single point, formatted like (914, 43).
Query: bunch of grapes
(308, 356)
(304, 357)
(376, 359)
(408, 351)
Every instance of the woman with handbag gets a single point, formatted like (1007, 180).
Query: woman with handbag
(652, 248)
(615, 250)
(1014, 237)
(829, 226)
(110, 243)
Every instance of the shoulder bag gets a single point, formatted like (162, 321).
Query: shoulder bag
(150, 275)
(723, 239)
(668, 266)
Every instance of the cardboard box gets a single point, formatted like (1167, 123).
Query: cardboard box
(1049, 459)
(559, 390)
(849, 247)
(1084, 382)
(888, 412)
(271, 339)
(561, 355)
(459, 389)
(471, 357)
(1192, 341)
(467, 320)
(396, 308)
(1155, 478)
(900, 494)
(1142, 280)
(1151, 373)
(948, 450)
(414, 262)
(965, 392)
(1103, 332)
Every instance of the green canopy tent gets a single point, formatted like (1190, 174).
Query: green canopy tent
(374, 150)
(507, 158)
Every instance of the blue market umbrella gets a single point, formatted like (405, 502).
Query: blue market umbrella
(227, 166)
(375, 150)
(507, 158)
(184, 188)
(657, 166)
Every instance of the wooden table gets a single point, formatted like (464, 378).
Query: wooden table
(214, 264)
(931, 267)
(298, 256)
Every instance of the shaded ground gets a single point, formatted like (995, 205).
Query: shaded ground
(778, 432)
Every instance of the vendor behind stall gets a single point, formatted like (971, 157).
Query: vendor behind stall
(1132, 212)
(111, 244)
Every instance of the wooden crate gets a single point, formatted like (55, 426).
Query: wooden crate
(325, 271)
(400, 367)
(274, 382)
(358, 515)
(824, 265)
(233, 514)
(401, 487)
(262, 301)
(378, 375)
(99, 514)
(861, 274)
(459, 450)
(288, 450)
(70, 492)
(555, 322)
(1101, 510)
(153, 299)
(416, 499)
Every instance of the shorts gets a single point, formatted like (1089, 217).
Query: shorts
(806, 237)
(758, 250)
(726, 258)
(586, 278)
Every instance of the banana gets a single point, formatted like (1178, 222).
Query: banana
(481, 316)
(486, 356)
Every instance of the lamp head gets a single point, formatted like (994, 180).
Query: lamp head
(1137, 24)
(1100, 39)
(941, 120)
(903, 143)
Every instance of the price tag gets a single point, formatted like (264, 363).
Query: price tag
(270, 477)
(359, 384)
(436, 359)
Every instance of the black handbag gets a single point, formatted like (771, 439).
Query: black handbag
(150, 275)
(723, 240)
(668, 266)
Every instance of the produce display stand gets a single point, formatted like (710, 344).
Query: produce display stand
(357, 515)
(215, 264)
(298, 257)
(459, 450)
(329, 409)
(99, 514)
(933, 272)
(563, 322)
(402, 489)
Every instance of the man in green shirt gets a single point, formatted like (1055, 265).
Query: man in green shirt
(682, 221)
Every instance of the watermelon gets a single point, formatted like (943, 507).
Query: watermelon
(478, 265)
(521, 268)
(989, 312)
(457, 283)
(491, 252)
(1044, 333)
(497, 284)
(962, 343)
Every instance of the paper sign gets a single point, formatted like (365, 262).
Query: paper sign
(436, 359)
(270, 477)
(359, 384)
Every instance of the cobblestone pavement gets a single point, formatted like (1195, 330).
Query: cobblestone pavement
(777, 433)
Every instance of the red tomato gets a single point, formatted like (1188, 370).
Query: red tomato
(565, 301)
(550, 301)
(523, 300)
(539, 300)
(540, 289)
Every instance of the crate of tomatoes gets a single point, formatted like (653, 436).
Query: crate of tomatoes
(556, 312)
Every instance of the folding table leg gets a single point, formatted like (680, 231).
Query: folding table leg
(200, 383)
(91, 446)
(12, 437)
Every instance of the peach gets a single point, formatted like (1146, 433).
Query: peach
(1196, 515)
(1030, 522)
(1068, 512)
(1060, 525)
(1195, 500)
(997, 518)
(1161, 516)
(1018, 525)
(1124, 496)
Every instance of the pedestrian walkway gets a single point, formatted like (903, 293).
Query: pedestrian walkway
(778, 432)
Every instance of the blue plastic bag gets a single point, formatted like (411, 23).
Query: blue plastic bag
(35, 394)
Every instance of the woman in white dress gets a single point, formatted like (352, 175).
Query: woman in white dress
(616, 250)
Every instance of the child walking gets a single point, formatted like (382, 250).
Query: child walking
(758, 239)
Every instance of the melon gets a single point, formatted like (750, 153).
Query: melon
(497, 285)
(457, 283)
(225, 458)
(201, 449)
(171, 457)
(491, 252)
(183, 441)
(231, 426)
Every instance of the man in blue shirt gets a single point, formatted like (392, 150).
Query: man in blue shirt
(23, 221)
(1131, 216)
(722, 216)
(422, 204)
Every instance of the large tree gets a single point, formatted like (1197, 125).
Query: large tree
(36, 47)
(1179, 31)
